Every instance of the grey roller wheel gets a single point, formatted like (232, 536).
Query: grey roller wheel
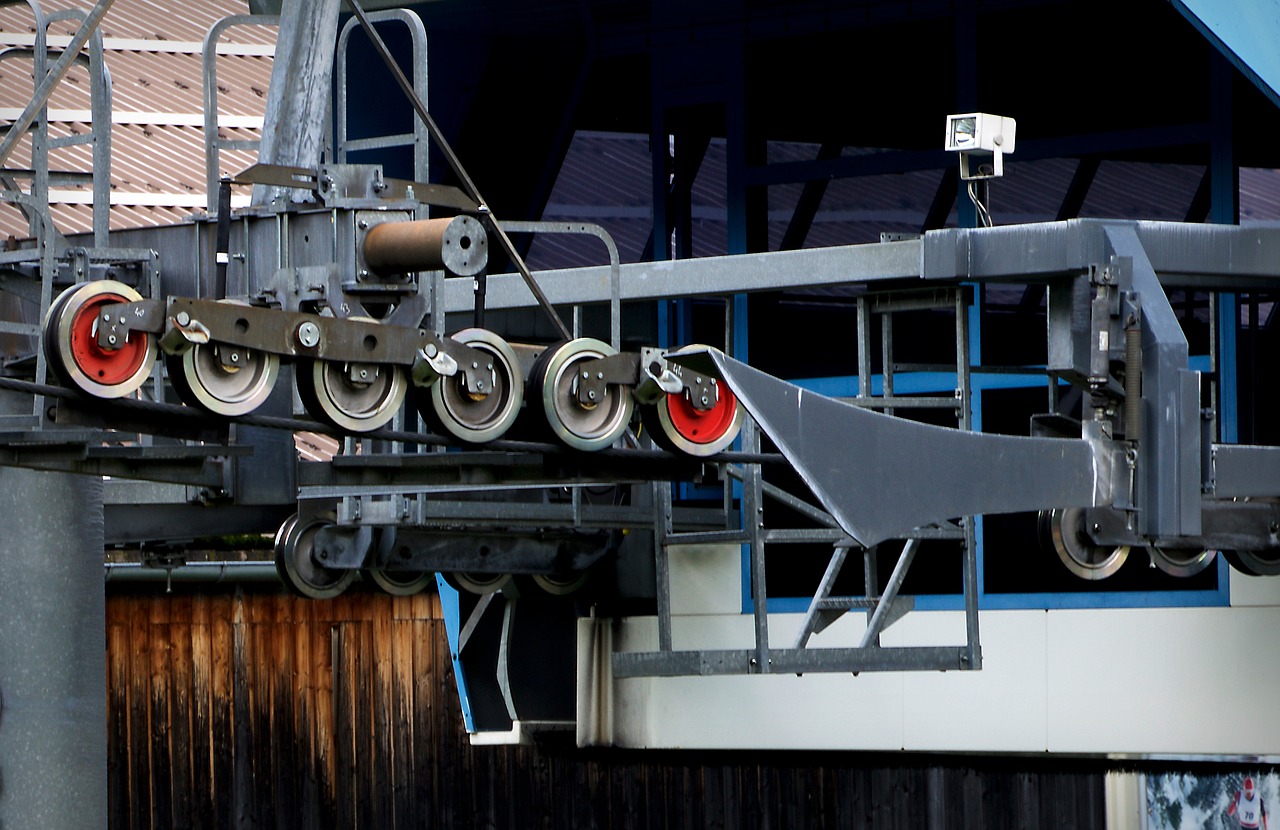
(222, 378)
(561, 585)
(591, 426)
(1181, 562)
(1255, 562)
(297, 567)
(479, 418)
(1063, 528)
(477, 583)
(397, 583)
(225, 380)
(357, 398)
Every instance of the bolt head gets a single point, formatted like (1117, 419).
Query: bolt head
(308, 335)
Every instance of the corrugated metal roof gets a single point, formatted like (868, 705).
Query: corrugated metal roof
(158, 155)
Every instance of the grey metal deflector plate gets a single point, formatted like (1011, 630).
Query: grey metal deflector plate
(882, 476)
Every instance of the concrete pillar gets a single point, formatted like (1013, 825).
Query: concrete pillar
(53, 725)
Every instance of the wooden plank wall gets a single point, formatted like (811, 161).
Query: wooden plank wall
(242, 708)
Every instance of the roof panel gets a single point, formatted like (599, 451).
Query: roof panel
(158, 154)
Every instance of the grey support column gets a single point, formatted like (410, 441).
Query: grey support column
(293, 132)
(53, 720)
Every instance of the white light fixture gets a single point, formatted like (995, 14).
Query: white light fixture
(982, 140)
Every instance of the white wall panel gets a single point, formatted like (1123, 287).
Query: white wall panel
(1135, 681)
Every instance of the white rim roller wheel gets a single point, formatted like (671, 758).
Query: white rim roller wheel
(480, 417)
(222, 378)
(1064, 529)
(354, 398)
(588, 426)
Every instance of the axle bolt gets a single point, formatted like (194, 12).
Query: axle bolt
(308, 335)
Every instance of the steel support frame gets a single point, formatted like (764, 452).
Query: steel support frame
(1212, 257)
(1215, 258)
(882, 609)
(418, 138)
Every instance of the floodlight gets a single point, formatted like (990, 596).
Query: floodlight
(981, 140)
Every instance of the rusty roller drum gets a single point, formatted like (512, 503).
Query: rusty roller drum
(457, 245)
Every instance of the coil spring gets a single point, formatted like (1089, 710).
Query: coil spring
(1132, 382)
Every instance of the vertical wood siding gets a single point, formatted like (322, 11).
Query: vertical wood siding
(254, 709)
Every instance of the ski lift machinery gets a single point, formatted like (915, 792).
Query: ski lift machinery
(351, 294)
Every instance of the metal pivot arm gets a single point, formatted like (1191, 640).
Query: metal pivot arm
(658, 376)
(186, 322)
(595, 374)
(881, 476)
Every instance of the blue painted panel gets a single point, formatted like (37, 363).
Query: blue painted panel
(1246, 32)
(452, 614)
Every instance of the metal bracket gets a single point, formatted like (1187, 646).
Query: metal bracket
(658, 376)
(116, 322)
(289, 288)
(476, 366)
(432, 363)
(342, 547)
(278, 175)
(622, 369)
